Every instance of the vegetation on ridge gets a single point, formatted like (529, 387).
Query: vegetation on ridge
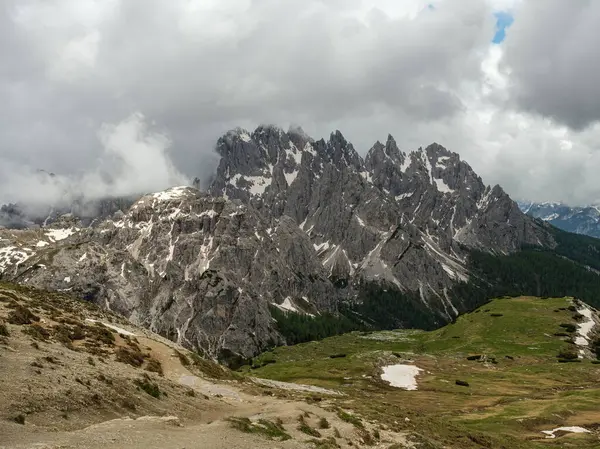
(563, 271)
(508, 352)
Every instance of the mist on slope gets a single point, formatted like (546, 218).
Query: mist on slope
(134, 160)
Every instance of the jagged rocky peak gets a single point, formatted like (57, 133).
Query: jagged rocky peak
(380, 152)
(359, 214)
(385, 166)
(339, 151)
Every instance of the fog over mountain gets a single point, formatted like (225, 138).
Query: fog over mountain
(134, 160)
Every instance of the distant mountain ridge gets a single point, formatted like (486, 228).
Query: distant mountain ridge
(67, 200)
(580, 220)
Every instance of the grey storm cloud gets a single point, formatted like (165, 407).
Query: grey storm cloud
(552, 54)
(122, 96)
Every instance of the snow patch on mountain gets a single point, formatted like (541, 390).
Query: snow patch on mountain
(442, 186)
(56, 235)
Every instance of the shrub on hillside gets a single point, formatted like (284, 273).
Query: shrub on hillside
(148, 386)
(567, 354)
(37, 332)
(323, 423)
(130, 356)
(4, 330)
(154, 366)
(22, 315)
(19, 419)
(595, 347)
(101, 334)
(570, 327)
(305, 428)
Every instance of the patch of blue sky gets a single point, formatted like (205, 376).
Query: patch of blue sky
(503, 21)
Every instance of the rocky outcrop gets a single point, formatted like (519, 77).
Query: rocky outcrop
(402, 218)
(197, 269)
(288, 222)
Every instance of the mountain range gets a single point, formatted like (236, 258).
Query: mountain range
(579, 219)
(295, 234)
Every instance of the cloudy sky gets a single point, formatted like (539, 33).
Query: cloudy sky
(143, 88)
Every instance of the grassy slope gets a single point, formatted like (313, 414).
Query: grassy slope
(507, 403)
(71, 373)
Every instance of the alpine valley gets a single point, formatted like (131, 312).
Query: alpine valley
(298, 239)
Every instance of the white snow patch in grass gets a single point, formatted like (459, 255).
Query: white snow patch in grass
(82, 258)
(571, 429)
(585, 327)
(360, 221)
(67, 279)
(401, 376)
(41, 244)
(113, 327)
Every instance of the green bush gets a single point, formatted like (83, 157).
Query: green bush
(154, 366)
(37, 332)
(4, 330)
(569, 327)
(347, 417)
(22, 315)
(567, 354)
(264, 427)
(130, 356)
(305, 428)
(323, 423)
(149, 387)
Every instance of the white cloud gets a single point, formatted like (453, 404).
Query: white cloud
(76, 58)
(134, 160)
(366, 67)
